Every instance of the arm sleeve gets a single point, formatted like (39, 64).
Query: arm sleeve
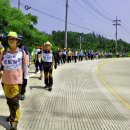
(25, 65)
(1, 55)
(54, 59)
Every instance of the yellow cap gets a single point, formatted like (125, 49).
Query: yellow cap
(12, 34)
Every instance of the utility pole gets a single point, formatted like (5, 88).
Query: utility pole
(66, 17)
(19, 4)
(80, 40)
(116, 23)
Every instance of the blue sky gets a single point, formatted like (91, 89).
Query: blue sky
(96, 15)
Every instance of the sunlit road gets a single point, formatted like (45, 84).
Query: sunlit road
(116, 74)
(88, 95)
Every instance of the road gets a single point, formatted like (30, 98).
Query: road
(116, 77)
(84, 97)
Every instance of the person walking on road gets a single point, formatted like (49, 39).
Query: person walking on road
(69, 55)
(75, 55)
(58, 56)
(61, 57)
(40, 63)
(14, 61)
(49, 59)
(25, 81)
(80, 55)
(36, 50)
(64, 55)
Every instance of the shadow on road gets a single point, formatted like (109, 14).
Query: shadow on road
(34, 77)
(2, 97)
(4, 123)
(31, 72)
(36, 87)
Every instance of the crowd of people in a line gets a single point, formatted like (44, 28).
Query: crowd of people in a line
(63, 56)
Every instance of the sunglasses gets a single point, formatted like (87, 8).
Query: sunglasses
(47, 51)
(12, 39)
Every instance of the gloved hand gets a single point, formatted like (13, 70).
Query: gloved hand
(34, 61)
(1, 74)
(25, 81)
(55, 66)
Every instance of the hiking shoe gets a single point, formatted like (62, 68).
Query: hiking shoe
(45, 87)
(13, 127)
(22, 97)
(49, 89)
(40, 78)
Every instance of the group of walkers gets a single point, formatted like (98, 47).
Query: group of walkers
(65, 55)
(60, 57)
(43, 55)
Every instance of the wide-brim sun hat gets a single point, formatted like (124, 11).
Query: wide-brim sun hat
(12, 34)
(47, 43)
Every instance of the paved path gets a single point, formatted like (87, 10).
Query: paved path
(78, 101)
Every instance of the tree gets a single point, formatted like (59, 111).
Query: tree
(92, 41)
(12, 19)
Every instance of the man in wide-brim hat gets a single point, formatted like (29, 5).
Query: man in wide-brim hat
(48, 59)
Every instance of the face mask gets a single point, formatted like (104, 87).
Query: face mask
(47, 51)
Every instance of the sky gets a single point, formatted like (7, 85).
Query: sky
(90, 15)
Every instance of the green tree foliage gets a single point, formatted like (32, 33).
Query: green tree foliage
(90, 42)
(12, 19)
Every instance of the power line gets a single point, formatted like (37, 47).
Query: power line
(86, 9)
(122, 31)
(90, 5)
(81, 19)
(102, 8)
(127, 31)
(44, 13)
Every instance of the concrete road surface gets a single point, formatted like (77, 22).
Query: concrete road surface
(84, 97)
(115, 75)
